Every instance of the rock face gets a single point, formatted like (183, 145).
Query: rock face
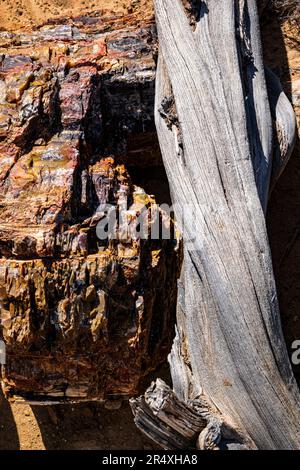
(81, 317)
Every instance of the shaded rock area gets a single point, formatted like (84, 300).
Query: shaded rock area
(82, 318)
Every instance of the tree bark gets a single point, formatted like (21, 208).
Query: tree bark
(214, 125)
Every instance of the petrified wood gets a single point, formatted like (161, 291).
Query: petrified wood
(81, 318)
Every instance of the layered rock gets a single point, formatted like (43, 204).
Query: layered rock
(81, 317)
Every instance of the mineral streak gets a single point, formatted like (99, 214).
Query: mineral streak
(82, 318)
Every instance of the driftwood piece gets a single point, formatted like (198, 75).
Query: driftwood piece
(218, 160)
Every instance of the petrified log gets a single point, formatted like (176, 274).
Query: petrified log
(284, 125)
(81, 318)
(217, 151)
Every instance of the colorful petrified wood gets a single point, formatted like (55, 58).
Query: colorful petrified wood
(82, 318)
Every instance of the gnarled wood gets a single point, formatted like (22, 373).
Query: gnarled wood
(177, 424)
(218, 160)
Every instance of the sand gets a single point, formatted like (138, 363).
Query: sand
(90, 426)
(28, 14)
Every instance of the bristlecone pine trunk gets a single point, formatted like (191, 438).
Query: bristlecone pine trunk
(216, 107)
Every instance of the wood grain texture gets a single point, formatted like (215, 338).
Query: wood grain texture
(231, 320)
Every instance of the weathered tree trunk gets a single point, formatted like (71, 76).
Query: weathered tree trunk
(214, 125)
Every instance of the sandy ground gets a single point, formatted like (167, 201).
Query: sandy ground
(86, 426)
(91, 426)
(19, 14)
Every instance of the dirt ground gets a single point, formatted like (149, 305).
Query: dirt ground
(86, 426)
(20, 14)
(91, 426)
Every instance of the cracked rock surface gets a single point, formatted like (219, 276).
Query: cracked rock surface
(82, 318)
